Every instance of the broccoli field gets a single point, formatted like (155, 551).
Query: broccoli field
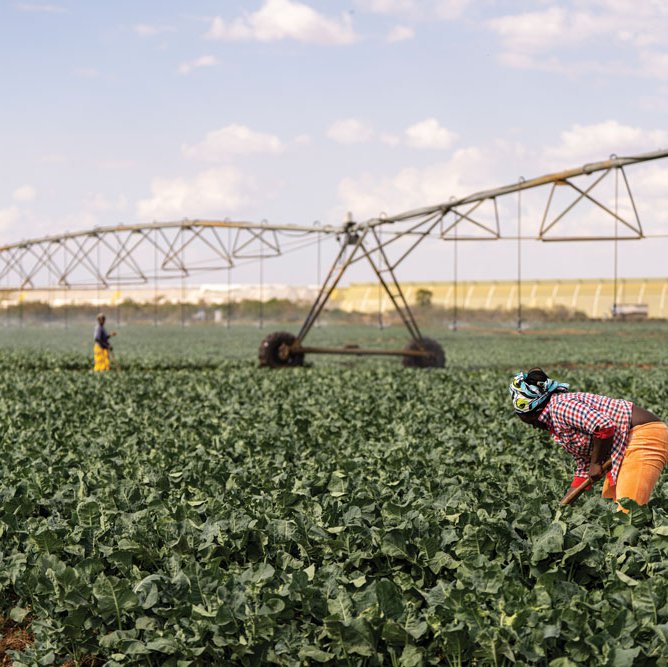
(190, 508)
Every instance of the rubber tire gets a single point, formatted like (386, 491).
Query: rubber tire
(435, 360)
(268, 353)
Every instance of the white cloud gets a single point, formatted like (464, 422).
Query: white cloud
(86, 72)
(232, 140)
(655, 100)
(390, 139)
(578, 38)
(202, 61)
(429, 134)
(425, 134)
(654, 64)
(101, 203)
(400, 33)
(147, 30)
(285, 19)
(40, 9)
(350, 131)
(368, 196)
(216, 192)
(53, 158)
(24, 194)
(116, 163)
(390, 6)
(653, 185)
(417, 9)
(591, 143)
(533, 32)
(450, 9)
(9, 217)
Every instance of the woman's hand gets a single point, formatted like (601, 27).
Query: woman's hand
(596, 471)
(600, 451)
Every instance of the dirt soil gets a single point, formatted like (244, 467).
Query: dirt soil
(13, 637)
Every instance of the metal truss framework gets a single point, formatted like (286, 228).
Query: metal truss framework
(385, 253)
(119, 255)
(139, 254)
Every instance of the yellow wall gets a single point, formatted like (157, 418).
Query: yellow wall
(594, 297)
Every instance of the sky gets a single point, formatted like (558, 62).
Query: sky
(296, 111)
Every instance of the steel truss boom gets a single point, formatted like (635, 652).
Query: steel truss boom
(557, 178)
(136, 254)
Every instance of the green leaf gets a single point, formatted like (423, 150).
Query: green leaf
(624, 657)
(662, 632)
(394, 633)
(357, 635)
(147, 591)
(341, 607)
(645, 598)
(162, 645)
(394, 545)
(411, 656)
(314, 653)
(88, 513)
(550, 541)
(271, 607)
(47, 541)
(390, 599)
(625, 578)
(17, 614)
(338, 485)
(114, 597)
(262, 573)
(200, 612)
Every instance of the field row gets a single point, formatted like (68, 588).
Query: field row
(345, 515)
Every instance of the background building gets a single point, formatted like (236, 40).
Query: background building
(593, 298)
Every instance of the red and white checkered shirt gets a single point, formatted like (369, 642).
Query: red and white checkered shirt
(573, 418)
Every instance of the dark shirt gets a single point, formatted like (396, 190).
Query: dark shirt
(102, 337)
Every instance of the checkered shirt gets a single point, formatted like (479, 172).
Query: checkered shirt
(573, 417)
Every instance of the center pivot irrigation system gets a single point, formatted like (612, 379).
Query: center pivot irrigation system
(140, 254)
(403, 233)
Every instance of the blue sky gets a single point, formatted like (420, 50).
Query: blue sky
(297, 111)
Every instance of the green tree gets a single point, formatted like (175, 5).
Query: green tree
(423, 298)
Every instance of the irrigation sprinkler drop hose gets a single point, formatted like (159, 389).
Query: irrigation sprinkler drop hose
(577, 491)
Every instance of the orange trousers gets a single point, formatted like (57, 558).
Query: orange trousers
(645, 457)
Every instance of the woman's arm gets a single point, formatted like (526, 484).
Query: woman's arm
(600, 453)
(601, 447)
(598, 425)
(641, 416)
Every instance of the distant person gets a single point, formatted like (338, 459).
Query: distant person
(102, 347)
(594, 428)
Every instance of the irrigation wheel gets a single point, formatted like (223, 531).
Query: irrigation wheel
(275, 352)
(436, 358)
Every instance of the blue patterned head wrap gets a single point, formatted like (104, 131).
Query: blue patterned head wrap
(527, 396)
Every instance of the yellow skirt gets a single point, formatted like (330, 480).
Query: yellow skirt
(645, 457)
(101, 358)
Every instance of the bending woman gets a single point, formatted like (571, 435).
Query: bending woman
(594, 428)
